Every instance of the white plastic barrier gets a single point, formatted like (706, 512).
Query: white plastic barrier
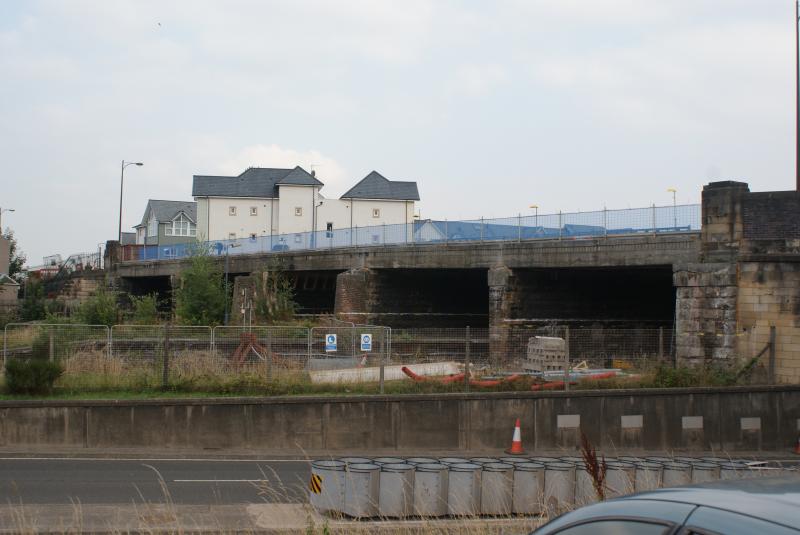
(361, 488)
(648, 476)
(430, 489)
(559, 486)
(528, 488)
(464, 489)
(497, 484)
(703, 472)
(330, 475)
(676, 474)
(620, 477)
(396, 494)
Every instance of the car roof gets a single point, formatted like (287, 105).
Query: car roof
(776, 499)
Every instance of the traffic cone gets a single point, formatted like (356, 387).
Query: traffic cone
(797, 446)
(516, 442)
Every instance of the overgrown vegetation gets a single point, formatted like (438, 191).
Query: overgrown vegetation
(144, 309)
(33, 306)
(100, 309)
(31, 376)
(200, 297)
(274, 297)
(16, 257)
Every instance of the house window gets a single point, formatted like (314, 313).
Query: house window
(298, 211)
(152, 227)
(376, 212)
(231, 210)
(253, 236)
(329, 230)
(254, 210)
(231, 235)
(181, 226)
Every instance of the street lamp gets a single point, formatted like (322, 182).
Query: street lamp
(121, 180)
(674, 208)
(228, 247)
(536, 214)
(1, 216)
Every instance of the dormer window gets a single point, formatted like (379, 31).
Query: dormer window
(181, 226)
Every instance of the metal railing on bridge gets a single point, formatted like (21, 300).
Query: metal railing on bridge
(560, 226)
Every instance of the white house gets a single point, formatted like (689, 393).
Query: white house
(271, 202)
(167, 223)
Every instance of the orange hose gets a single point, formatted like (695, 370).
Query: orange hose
(494, 382)
(553, 385)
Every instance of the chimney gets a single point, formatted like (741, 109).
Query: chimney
(313, 173)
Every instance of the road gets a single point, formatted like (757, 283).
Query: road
(30, 481)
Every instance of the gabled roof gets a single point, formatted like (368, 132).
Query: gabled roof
(128, 238)
(299, 177)
(167, 210)
(258, 182)
(376, 186)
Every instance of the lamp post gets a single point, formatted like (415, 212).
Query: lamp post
(535, 214)
(314, 224)
(228, 247)
(674, 208)
(1, 216)
(121, 181)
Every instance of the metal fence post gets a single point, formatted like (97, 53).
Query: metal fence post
(772, 341)
(481, 228)
(559, 225)
(165, 371)
(654, 218)
(566, 350)
(605, 222)
(268, 356)
(660, 343)
(519, 227)
(52, 347)
(466, 360)
(383, 360)
(384, 234)
(446, 234)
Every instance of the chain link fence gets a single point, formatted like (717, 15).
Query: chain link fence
(261, 349)
(65, 343)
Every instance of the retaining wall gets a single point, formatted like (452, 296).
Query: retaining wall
(746, 418)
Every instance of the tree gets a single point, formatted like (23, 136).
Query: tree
(145, 309)
(33, 305)
(16, 256)
(99, 309)
(200, 298)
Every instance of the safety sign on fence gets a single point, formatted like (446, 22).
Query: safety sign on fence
(330, 343)
(366, 342)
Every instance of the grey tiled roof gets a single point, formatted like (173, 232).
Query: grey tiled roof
(299, 177)
(376, 186)
(128, 238)
(167, 210)
(254, 182)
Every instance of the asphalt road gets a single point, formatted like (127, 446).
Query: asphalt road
(184, 482)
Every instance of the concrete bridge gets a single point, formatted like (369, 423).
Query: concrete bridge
(721, 288)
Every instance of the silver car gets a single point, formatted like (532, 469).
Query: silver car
(760, 506)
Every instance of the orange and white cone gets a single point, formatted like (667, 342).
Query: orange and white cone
(797, 446)
(516, 442)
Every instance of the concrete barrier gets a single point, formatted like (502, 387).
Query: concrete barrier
(435, 422)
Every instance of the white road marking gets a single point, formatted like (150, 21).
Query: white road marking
(218, 480)
(149, 459)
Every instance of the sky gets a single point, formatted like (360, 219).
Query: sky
(571, 105)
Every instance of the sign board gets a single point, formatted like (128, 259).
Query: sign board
(330, 343)
(366, 342)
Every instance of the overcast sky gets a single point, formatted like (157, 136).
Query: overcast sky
(489, 106)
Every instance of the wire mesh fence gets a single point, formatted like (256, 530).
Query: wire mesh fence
(566, 225)
(133, 356)
(157, 354)
(65, 343)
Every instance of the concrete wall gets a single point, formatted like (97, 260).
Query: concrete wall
(728, 419)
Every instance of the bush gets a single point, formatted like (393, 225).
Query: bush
(100, 309)
(145, 309)
(274, 297)
(33, 305)
(200, 299)
(33, 377)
